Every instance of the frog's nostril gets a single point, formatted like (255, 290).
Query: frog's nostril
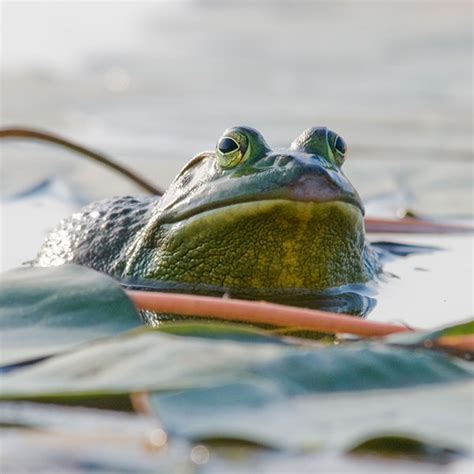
(283, 160)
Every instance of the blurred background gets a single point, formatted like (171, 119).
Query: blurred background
(153, 83)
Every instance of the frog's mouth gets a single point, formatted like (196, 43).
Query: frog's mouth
(302, 210)
(308, 189)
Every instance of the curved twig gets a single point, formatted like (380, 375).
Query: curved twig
(20, 132)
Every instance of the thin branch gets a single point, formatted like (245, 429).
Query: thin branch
(413, 225)
(19, 132)
(460, 343)
(209, 307)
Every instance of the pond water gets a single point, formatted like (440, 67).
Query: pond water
(153, 83)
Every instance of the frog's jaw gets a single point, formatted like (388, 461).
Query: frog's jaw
(263, 245)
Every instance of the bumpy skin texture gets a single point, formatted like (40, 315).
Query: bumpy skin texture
(244, 216)
(98, 235)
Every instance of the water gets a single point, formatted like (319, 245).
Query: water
(428, 289)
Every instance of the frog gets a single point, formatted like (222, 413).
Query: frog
(243, 216)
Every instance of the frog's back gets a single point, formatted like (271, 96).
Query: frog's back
(97, 236)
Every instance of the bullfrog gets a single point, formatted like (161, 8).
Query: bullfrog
(242, 216)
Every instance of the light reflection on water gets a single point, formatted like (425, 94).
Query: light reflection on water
(428, 289)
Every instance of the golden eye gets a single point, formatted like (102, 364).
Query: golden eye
(231, 149)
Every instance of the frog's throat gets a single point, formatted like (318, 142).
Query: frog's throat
(263, 244)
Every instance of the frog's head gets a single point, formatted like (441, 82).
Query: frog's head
(246, 215)
(243, 168)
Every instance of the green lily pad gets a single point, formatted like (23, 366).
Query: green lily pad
(154, 361)
(44, 311)
(216, 330)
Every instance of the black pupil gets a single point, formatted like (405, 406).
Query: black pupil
(340, 145)
(227, 145)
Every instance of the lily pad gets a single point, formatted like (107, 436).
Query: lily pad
(148, 360)
(213, 330)
(44, 311)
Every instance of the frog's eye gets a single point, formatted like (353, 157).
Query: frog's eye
(231, 149)
(227, 145)
(322, 142)
(340, 147)
(337, 146)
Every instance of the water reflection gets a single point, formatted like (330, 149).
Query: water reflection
(431, 288)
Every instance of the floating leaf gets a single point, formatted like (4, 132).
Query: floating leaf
(213, 330)
(44, 311)
(151, 360)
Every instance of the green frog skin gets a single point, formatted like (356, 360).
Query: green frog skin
(244, 216)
